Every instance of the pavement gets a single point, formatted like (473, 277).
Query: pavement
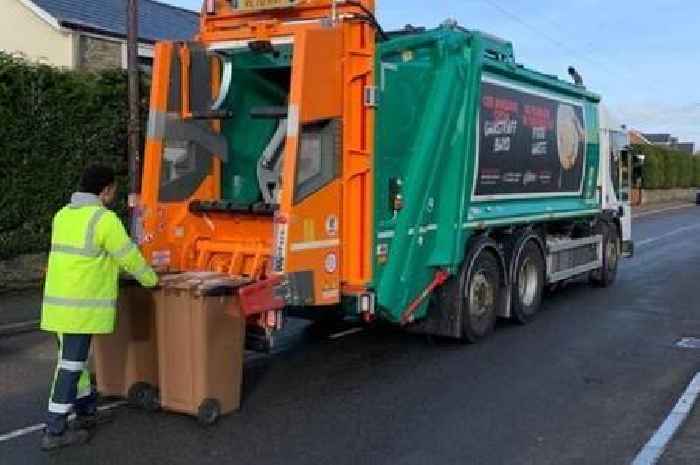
(588, 382)
(19, 310)
(653, 209)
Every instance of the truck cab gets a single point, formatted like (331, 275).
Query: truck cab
(615, 181)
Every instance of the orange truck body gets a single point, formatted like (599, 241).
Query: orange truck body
(328, 232)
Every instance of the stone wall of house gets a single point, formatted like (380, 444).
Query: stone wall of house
(23, 272)
(96, 54)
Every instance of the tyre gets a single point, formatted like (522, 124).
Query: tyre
(605, 276)
(528, 282)
(145, 396)
(209, 412)
(480, 287)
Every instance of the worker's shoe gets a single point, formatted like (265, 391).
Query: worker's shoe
(89, 422)
(70, 437)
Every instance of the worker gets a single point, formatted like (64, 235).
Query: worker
(89, 245)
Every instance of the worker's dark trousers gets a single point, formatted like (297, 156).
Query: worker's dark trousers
(71, 390)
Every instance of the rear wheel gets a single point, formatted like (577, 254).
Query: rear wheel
(528, 285)
(480, 293)
(605, 276)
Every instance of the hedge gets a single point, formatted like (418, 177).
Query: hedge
(668, 169)
(52, 124)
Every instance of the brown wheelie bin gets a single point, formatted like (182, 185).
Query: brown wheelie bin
(200, 345)
(126, 362)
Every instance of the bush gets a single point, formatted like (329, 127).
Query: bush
(653, 168)
(687, 174)
(696, 171)
(52, 124)
(668, 169)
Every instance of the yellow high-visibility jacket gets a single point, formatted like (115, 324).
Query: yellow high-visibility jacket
(88, 246)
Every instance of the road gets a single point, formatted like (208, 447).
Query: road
(587, 383)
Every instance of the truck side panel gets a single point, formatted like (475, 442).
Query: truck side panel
(428, 133)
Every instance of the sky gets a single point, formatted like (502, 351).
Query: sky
(642, 57)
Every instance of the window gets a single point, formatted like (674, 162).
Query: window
(318, 161)
(185, 165)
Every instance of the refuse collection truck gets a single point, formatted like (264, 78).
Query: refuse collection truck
(421, 177)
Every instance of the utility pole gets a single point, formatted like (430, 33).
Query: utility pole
(134, 129)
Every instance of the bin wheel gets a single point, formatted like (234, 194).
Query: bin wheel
(144, 396)
(209, 412)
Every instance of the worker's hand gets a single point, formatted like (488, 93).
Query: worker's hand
(160, 269)
(125, 279)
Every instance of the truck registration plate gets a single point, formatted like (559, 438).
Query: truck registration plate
(248, 5)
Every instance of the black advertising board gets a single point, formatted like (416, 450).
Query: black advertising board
(528, 144)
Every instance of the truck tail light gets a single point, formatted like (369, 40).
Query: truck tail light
(382, 253)
(365, 306)
(211, 7)
(274, 320)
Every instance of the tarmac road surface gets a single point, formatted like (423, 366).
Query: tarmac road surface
(587, 383)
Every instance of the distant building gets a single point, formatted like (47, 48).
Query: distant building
(663, 139)
(88, 34)
(687, 147)
(637, 137)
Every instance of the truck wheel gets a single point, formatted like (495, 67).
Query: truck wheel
(528, 283)
(480, 294)
(605, 276)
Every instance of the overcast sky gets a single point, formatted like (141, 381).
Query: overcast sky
(643, 57)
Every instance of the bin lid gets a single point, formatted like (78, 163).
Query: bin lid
(204, 282)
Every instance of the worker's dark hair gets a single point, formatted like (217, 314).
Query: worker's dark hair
(95, 178)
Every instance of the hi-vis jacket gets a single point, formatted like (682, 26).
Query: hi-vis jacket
(88, 246)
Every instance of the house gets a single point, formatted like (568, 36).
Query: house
(661, 139)
(686, 147)
(88, 34)
(637, 137)
(664, 140)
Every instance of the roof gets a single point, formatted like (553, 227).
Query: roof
(157, 21)
(637, 137)
(658, 138)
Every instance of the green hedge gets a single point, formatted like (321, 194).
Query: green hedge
(668, 169)
(52, 124)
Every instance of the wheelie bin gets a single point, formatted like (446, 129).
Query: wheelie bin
(126, 362)
(201, 335)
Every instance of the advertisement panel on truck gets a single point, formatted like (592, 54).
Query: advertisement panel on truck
(529, 143)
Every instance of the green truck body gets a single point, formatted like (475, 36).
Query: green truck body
(428, 130)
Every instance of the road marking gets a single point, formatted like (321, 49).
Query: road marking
(654, 449)
(40, 426)
(345, 333)
(654, 212)
(689, 343)
(664, 236)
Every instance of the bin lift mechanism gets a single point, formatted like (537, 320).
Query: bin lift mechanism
(272, 294)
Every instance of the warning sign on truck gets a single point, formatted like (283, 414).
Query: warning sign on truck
(528, 143)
